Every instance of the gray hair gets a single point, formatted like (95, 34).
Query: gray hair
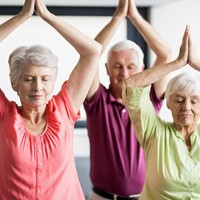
(186, 81)
(125, 45)
(36, 55)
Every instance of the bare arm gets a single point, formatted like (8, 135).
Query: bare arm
(153, 74)
(89, 50)
(154, 40)
(10, 25)
(105, 36)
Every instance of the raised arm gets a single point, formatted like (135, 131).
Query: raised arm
(10, 25)
(105, 36)
(89, 50)
(153, 74)
(154, 40)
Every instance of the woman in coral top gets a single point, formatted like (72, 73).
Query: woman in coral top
(36, 137)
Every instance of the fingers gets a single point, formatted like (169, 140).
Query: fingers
(122, 8)
(28, 8)
(41, 9)
(186, 34)
(132, 9)
(183, 52)
(185, 38)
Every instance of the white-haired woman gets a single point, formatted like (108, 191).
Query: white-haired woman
(36, 137)
(172, 149)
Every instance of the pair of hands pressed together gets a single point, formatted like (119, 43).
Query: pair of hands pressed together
(37, 6)
(126, 8)
(188, 53)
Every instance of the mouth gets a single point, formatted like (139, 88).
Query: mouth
(36, 96)
(186, 116)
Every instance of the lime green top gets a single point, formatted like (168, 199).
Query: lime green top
(172, 172)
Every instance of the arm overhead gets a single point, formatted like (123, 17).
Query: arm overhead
(10, 25)
(105, 36)
(89, 50)
(154, 40)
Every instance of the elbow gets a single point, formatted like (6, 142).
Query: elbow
(96, 49)
(167, 55)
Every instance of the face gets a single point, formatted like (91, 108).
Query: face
(120, 66)
(185, 108)
(35, 85)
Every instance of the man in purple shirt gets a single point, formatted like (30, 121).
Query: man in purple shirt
(117, 160)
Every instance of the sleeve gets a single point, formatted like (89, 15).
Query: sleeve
(62, 101)
(3, 101)
(91, 107)
(142, 113)
(157, 103)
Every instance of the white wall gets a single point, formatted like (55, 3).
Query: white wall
(36, 31)
(88, 2)
(170, 20)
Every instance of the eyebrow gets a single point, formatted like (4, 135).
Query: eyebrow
(181, 95)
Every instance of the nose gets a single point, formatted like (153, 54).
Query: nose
(125, 72)
(187, 105)
(37, 85)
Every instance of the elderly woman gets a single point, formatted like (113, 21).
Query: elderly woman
(36, 137)
(172, 149)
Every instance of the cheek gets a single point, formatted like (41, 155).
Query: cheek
(174, 109)
(22, 89)
(197, 110)
(134, 71)
(49, 87)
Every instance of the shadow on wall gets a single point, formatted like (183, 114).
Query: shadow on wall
(83, 169)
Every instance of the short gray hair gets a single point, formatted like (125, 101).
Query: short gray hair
(36, 55)
(185, 81)
(126, 45)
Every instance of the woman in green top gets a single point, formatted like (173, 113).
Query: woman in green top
(172, 149)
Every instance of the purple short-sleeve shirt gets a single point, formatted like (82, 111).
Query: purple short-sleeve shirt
(117, 159)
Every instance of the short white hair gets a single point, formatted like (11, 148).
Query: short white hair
(36, 55)
(186, 81)
(126, 45)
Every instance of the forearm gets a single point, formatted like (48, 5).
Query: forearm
(152, 37)
(151, 75)
(84, 45)
(9, 26)
(106, 34)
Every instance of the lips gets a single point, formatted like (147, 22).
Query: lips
(36, 96)
(186, 115)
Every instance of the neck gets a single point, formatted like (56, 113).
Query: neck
(34, 115)
(186, 132)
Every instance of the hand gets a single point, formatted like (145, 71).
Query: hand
(132, 9)
(28, 8)
(193, 59)
(183, 52)
(41, 9)
(122, 8)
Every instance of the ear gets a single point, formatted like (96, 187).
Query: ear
(107, 70)
(168, 104)
(14, 87)
(143, 67)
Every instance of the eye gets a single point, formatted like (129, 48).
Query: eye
(132, 66)
(179, 100)
(28, 78)
(46, 78)
(195, 101)
(117, 66)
